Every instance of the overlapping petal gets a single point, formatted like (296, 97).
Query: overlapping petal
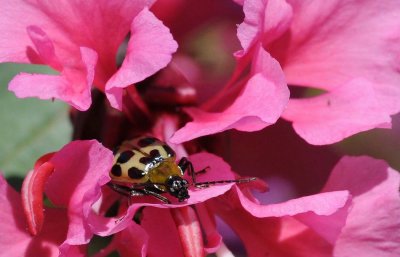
(260, 103)
(331, 46)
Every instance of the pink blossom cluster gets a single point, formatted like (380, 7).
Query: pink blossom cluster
(141, 56)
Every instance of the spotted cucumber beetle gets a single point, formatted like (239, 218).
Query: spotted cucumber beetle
(149, 167)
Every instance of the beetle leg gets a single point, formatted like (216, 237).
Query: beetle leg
(120, 189)
(156, 195)
(184, 164)
(128, 191)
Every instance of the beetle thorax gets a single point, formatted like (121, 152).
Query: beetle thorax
(163, 171)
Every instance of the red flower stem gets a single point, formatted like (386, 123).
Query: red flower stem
(189, 231)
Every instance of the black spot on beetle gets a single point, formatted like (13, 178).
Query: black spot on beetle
(169, 150)
(116, 170)
(155, 153)
(146, 160)
(146, 141)
(125, 156)
(135, 173)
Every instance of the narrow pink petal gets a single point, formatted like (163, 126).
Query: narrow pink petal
(249, 113)
(264, 21)
(212, 238)
(373, 225)
(321, 204)
(333, 116)
(150, 49)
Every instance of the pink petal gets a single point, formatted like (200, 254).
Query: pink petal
(333, 44)
(81, 168)
(248, 113)
(264, 21)
(333, 116)
(372, 227)
(277, 229)
(260, 103)
(150, 48)
(15, 240)
(132, 241)
(53, 39)
(102, 25)
(326, 203)
(158, 223)
(72, 86)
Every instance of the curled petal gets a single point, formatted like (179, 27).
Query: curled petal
(150, 48)
(81, 169)
(249, 113)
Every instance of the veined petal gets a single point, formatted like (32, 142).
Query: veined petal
(150, 48)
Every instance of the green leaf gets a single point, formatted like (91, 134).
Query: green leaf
(29, 127)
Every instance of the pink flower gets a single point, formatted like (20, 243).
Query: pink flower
(81, 41)
(348, 49)
(333, 221)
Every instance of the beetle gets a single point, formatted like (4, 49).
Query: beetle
(148, 165)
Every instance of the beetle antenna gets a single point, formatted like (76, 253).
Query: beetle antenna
(209, 183)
